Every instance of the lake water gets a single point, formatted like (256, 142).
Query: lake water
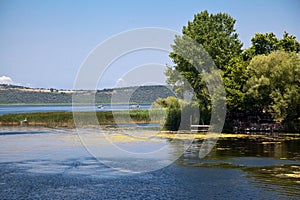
(54, 164)
(12, 109)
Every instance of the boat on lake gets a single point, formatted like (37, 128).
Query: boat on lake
(136, 106)
(100, 106)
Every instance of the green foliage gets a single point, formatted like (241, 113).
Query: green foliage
(270, 83)
(268, 42)
(140, 115)
(177, 81)
(50, 119)
(178, 113)
(173, 112)
(235, 76)
(234, 79)
(165, 102)
(218, 45)
(289, 43)
(274, 85)
(217, 35)
(173, 117)
(264, 43)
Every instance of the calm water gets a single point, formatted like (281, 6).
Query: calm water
(53, 164)
(63, 108)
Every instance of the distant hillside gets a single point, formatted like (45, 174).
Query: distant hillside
(11, 94)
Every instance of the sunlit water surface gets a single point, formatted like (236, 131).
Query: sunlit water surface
(40, 163)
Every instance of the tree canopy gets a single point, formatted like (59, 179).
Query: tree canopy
(274, 84)
(265, 43)
(218, 39)
(216, 33)
(262, 78)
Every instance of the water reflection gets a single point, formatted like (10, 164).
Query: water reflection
(283, 148)
(239, 147)
(287, 176)
(271, 162)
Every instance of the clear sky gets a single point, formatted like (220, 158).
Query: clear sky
(44, 43)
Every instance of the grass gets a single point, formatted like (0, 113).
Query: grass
(66, 119)
(50, 119)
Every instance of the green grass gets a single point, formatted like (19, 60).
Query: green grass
(54, 119)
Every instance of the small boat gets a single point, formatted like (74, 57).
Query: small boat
(135, 106)
(100, 106)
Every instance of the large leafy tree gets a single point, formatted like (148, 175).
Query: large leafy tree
(217, 35)
(274, 86)
(235, 76)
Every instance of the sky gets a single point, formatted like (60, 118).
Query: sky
(43, 44)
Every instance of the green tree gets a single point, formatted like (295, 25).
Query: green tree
(274, 85)
(235, 75)
(178, 113)
(217, 36)
(235, 78)
(289, 43)
(173, 111)
(265, 43)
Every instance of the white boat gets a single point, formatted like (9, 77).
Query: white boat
(135, 106)
(100, 106)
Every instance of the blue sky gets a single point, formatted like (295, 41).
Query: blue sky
(44, 43)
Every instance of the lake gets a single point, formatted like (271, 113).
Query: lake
(42, 163)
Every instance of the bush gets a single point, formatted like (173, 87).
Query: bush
(179, 113)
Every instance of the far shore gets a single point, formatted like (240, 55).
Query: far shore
(70, 104)
(36, 104)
